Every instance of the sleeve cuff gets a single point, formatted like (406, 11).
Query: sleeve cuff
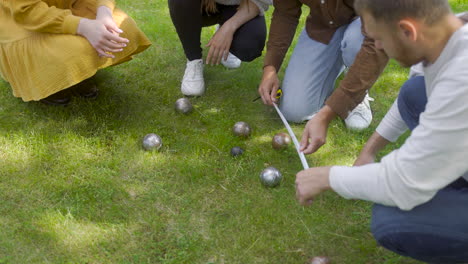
(392, 125)
(337, 174)
(389, 135)
(341, 103)
(360, 182)
(272, 60)
(70, 24)
(109, 3)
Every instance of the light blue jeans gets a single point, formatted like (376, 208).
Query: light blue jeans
(313, 68)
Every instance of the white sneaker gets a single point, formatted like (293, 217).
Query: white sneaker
(193, 83)
(232, 61)
(361, 116)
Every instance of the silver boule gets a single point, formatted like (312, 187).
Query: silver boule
(270, 177)
(183, 105)
(152, 142)
(241, 129)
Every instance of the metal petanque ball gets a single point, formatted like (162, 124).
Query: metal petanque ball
(152, 142)
(270, 177)
(241, 129)
(236, 151)
(183, 105)
(281, 141)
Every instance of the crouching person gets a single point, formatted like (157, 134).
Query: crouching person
(47, 47)
(420, 190)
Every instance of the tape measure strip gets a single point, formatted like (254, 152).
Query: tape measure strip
(293, 137)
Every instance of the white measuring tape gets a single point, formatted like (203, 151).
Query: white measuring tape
(294, 139)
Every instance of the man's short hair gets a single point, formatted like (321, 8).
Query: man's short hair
(430, 11)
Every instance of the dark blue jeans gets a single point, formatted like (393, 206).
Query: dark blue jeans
(434, 232)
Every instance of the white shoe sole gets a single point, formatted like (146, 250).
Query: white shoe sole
(192, 92)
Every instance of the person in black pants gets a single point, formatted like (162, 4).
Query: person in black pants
(240, 37)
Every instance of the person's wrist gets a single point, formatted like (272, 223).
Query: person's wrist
(326, 114)
(369, 154)
(103, 11)
(269, 69)
(81, 27)
(230, 26)
(366, 155)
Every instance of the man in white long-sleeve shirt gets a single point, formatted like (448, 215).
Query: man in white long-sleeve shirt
(421, 189)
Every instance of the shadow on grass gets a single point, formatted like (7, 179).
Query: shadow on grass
(77, 187)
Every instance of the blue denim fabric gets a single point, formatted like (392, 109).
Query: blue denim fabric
(313, 68)
(434, 232)
(412, 101)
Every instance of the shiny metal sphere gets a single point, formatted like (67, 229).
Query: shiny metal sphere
(236, 151)
(152, 142)
(319, 260)
(280, 141)
(270, 177)
(183, 105)
(241, 129)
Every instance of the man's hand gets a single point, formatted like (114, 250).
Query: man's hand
(102, 34)
(269, 85)
(220, 44)
(310, 183)
(315, 131)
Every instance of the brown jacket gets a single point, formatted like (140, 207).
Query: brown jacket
(325, 17)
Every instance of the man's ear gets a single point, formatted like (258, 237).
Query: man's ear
(408, 28)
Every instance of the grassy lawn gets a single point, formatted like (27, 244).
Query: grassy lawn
(76, 186)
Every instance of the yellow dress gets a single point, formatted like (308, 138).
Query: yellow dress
(40, 53)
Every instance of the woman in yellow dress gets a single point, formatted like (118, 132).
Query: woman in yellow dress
(49, 46)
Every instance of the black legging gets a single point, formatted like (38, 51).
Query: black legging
(248, 41)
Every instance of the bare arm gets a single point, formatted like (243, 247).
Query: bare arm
(221, 41)
(245, 13)
(372, 147)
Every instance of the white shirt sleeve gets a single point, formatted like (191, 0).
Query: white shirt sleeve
(392, 126)
(432, 157)
(416, 70)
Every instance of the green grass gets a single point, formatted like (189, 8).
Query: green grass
(76, 186)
